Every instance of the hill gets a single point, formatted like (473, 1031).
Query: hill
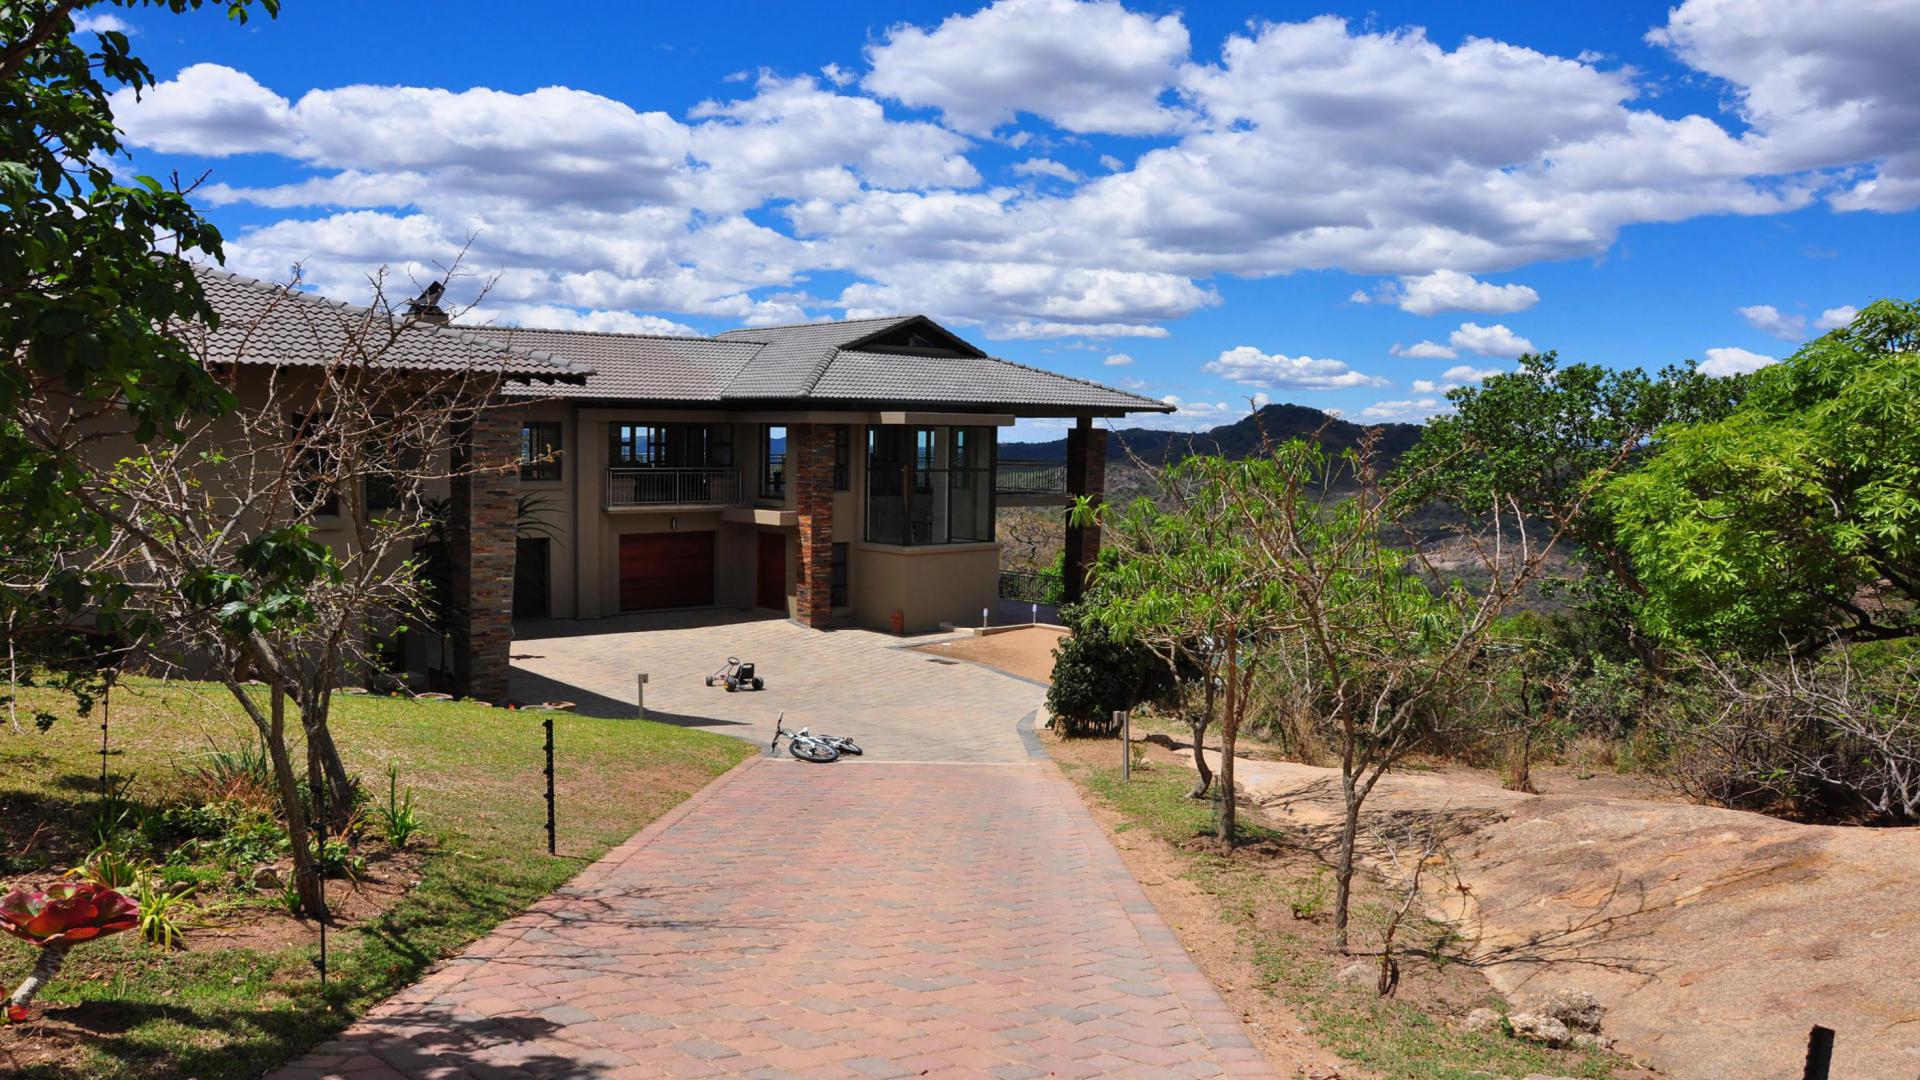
(1279, 422)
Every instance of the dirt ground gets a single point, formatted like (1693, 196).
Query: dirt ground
(1026, 652)
(1715, 938)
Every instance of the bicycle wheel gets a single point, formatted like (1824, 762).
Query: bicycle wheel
(819, 753)
(847, 746)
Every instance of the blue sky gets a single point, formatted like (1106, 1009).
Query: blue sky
(1233, 199)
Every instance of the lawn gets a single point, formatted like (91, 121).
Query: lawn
(1271, 896)
(123, 1008)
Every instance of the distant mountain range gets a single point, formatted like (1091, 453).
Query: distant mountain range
(1278, 422)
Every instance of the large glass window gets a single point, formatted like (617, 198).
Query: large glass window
(540, 450)
(669, 446)
(928, 485)
(773, 461)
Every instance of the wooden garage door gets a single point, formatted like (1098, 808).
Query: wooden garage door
(666, 570)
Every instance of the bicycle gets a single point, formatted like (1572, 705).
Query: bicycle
(807, 746)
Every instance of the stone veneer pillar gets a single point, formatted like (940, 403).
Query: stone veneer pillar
(810, 470)
(483, 511)
(1086, 475)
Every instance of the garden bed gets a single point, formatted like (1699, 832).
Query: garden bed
(244, 993)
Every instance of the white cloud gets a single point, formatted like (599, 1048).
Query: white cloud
(838, 75)
(1732, 361)
(551, 317)
(1819, 85)
(1414, 411)
(1463, 374)
(1111, 163)
(100, 22)
(1118, 359)
(1026, 329)
(1046, 167)
(1836, 317)
(1087, 67)
(1450, 290)
(1424, 350)
(1251, 367)
(1771, 320)
(1495, 340)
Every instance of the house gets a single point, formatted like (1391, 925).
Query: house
(838, 473)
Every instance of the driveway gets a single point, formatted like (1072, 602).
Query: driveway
(900, 705)
(945, 907)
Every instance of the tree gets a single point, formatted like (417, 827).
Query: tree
(1183, 584)
(1795, 518)
(214, 529)
(92, 271)
(1536, 438)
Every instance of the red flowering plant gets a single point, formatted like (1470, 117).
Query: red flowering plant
(56, 919)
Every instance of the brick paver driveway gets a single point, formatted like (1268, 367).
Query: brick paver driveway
(899, 704)
(905, 915)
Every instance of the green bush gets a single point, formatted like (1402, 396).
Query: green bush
(1095, 674)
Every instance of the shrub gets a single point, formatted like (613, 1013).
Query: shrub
(1095, 674)
(398, 819)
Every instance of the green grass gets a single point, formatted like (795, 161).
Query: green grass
(1258, 887)
(216, 1013)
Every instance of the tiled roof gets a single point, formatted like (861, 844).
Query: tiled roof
(645, 366)
(794, 356)
(819, 362)
(264, 323)
(966, 380)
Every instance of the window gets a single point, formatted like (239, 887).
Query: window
(669, 446)
(313, 472)
(837, 587)
(540, 450)
(773, 461)
(842, 457)
(929, 485)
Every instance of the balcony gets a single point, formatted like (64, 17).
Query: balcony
(1047, 479)
(628, 488)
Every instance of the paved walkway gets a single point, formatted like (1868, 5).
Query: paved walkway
(879, 918)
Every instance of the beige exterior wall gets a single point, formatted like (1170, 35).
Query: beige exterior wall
(930, 585)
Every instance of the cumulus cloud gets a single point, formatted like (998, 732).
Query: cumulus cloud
(1086, 67)
(1450, 290)
(1318, 144)
(100, 22)
(1118, 359)
(1836, 317)
(1424, 350)
(1771, 320)
(1733, 361)
(1495, 340)
(1249, 366)
(551, 317)
(1410, 411)
(1046, 167)
(1463, 374)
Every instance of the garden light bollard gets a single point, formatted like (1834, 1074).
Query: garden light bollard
(1123, 719)
(1819, 1053)
(640, 695)
(548, 724)
(1036, 614)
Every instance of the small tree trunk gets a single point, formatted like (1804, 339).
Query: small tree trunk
(1229, 735)
(1200, 722)
(306, 877)
(51, 957)
(1343, 869)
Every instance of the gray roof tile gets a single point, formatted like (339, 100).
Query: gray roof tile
(640, 366)
(264, 323)
(966, 380)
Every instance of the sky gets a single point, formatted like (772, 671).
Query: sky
(1352, 207)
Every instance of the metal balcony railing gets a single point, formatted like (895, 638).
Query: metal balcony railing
(673, 487)
(1015, 477)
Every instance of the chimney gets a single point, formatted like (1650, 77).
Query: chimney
(425, 308)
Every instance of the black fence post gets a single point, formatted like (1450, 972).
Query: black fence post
(1819, 1053)
(106, 714)
(548, 724)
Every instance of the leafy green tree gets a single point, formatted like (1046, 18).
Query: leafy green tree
(93, 272)
(1796, 517)
(1535, 439)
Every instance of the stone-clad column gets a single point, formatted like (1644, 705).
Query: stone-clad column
(810, 470)
(483, 508)
(1086, 475)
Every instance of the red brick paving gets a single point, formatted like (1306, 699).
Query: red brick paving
(859, 920)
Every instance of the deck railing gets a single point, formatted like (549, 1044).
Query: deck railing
(1016, 477)
(672, 487)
